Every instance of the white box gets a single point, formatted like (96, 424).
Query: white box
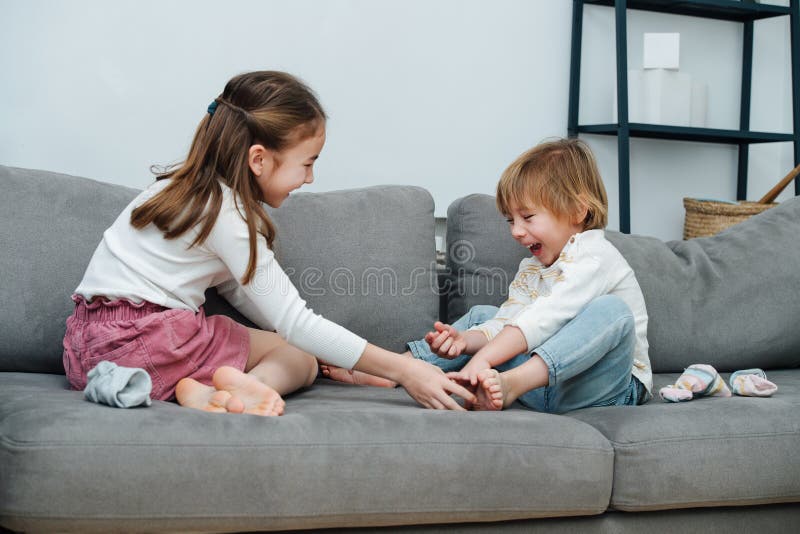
(661, 96)
(661, 51)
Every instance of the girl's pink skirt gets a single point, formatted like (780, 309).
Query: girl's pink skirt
(169, 344)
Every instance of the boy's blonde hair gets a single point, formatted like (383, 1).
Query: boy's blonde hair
(560, 175)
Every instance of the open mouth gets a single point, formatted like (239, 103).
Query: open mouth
(535, 248)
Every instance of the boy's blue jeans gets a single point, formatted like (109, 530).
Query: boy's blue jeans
(589, 360)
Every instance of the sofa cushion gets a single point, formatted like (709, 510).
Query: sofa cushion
(711, 451)
(341, 455)
(51, 225)
(343, 250)
(728, 300)
(364, 258)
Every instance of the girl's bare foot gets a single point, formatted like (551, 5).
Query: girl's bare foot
(351, 376)
(247, 393)
(492, 391)
(193, 394)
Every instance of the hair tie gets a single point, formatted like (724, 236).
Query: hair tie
(212, 107)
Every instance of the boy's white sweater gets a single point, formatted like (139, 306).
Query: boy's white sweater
(541, 300)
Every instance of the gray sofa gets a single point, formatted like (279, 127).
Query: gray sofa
(350, 456)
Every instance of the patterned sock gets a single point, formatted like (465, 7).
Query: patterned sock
(698, 380)
(752, 383)
(674, 394)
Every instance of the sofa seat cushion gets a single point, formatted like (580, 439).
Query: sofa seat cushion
(710, 451)
(342, 455)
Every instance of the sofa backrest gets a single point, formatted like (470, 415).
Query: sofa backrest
(51, 224)
(730, 300)
(363, 258)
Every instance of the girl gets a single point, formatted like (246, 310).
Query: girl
(202, 224)
(573, 332)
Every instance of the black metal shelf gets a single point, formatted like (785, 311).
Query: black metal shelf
(682, 133)
(744, 12)
(732, 10)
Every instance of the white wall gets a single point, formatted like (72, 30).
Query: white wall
(437, 93)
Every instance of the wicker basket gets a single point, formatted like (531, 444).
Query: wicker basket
(707, 217)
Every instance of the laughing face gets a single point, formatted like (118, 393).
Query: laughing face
(280, 173)
(541, 232)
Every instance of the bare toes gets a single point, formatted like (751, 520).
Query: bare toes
(218, 402)
(338, 374)
(192, 394)
(234, 404)
(248, 394)
(489, 392)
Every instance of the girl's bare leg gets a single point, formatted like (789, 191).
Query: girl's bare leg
(279, 365)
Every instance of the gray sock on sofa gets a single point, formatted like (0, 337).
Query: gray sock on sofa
(120, 387)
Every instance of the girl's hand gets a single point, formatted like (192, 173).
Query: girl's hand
(446, 341)
(429, 386)
(469, 373)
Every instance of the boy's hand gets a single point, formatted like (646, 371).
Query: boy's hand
(446, 341)
(430, 387)
(469, 373)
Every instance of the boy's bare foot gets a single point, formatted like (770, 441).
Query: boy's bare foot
(351, 376)
(492, 391)
(248, 394)
(193, 394)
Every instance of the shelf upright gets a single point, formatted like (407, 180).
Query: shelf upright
(623, 126)
(794, 30)
(744, 107)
